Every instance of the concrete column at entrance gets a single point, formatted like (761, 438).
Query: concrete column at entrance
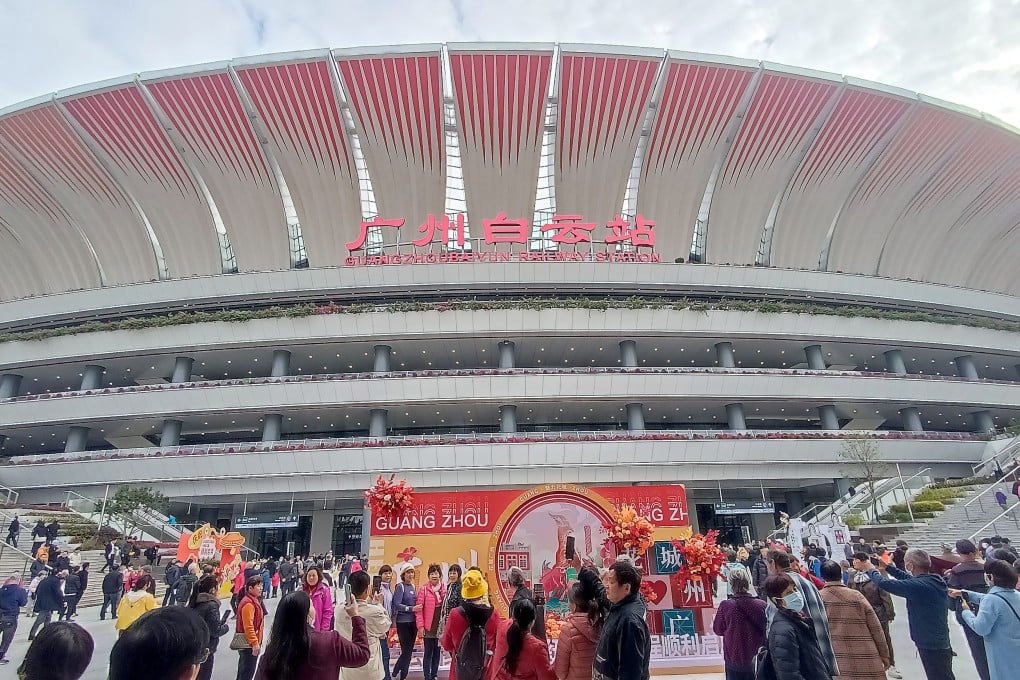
(983, 421)
(628, 354)
(182, 369)
(321, 540)
(735, 417)
(92, 377)
(171, 434)
(10, 383)
(382, 359)
(507, 355)
(366, 530)
(965, 367)
(377, 425)
(815, 360)
(794, 501)
(724, 354)
(272, 427)
(77, 439)
(911, 419)
(827, 414)
(508, 418)
(894, 362)
(635, 417)
(281, 363)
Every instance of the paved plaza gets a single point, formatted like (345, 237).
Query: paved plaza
(226, 661)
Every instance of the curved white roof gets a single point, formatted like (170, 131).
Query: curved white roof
(260, 163)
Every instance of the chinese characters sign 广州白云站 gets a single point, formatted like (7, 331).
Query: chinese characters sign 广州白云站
(624, 240)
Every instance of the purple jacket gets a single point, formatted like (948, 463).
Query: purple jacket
(405, 597)
(322, 602)
(741, 622)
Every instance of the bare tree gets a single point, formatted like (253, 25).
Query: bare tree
(863, 461)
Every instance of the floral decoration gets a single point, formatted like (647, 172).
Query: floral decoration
(703, 559)
(629, 532)
(390, 498)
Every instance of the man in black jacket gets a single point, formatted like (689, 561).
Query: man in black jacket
(625, 647)
(52, 529)
(171, 576)
(72, 585)
(760, 570)
(286, 569)
(113, 588)
(49, 598)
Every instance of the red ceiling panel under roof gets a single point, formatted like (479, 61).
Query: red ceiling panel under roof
(935, 210)
(921, 147)
(54, 250)
(121, 124)
(697, 104)
(760, 162)
(299, 107)
(602, 105)
(854, 134)
(501, 109)
(207, 112)
(70, 173)
(397, 104)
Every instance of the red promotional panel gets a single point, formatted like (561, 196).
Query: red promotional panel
(693, 594)
(478, 511)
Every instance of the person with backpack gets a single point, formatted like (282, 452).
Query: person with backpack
(519, 655)
(171, 576)
(39, 536)
(184, 586)
(470, 634)
(998, 620)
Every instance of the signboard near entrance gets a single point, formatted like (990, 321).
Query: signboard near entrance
(745, 508)
(267, 522)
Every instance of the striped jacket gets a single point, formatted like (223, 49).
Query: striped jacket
(856, 633)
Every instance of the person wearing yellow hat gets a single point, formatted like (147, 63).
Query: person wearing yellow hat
(472, 617)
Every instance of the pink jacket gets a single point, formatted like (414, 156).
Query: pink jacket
(322, 602)
(429, 604)
(575, 651)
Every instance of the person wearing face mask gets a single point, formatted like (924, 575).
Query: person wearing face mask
(969, 574)
(998, 620)
(927, 599)
(792, 643)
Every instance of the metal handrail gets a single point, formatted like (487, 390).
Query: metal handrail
(991, 486)
(1012, 449)
(1002, 514)
(10, 492)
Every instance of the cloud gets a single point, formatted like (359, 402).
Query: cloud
(963, 52)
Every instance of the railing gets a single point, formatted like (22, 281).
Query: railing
(390, 375)
(484, 438)
(11, 494)
(1009, 451)
(983, 496)
(1011, 510)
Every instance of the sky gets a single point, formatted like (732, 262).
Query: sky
(963, 51)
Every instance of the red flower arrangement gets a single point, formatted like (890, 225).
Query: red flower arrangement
(629, 532)
(390, 498)
(703, 559)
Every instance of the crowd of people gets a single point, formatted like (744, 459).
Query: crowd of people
(799, 617)
(811, 617)
(604, 636)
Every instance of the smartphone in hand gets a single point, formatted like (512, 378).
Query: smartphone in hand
(376, 584)
(348, 596)
(569, 552)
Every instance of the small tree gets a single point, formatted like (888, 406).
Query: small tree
(129, 500)
(863, 461)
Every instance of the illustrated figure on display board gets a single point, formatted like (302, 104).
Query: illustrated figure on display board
(554, 577)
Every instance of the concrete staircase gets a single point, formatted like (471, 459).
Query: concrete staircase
(960, 520)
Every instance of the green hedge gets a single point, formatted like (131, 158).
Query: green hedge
(525, 303)
(918, 506)
(943, 495)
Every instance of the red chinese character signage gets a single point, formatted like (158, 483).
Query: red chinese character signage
(625, 240)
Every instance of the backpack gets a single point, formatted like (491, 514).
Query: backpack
(182, 591)
(473, 651)
(172, 575)
(763, 669)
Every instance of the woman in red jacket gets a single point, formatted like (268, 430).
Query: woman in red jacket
(297, 652)
(472, 612)
(430, 607)
(519, 654)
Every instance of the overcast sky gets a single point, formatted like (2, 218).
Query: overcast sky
(965, 51)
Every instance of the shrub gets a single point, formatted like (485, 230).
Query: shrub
(918, 507)
(853, 521)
